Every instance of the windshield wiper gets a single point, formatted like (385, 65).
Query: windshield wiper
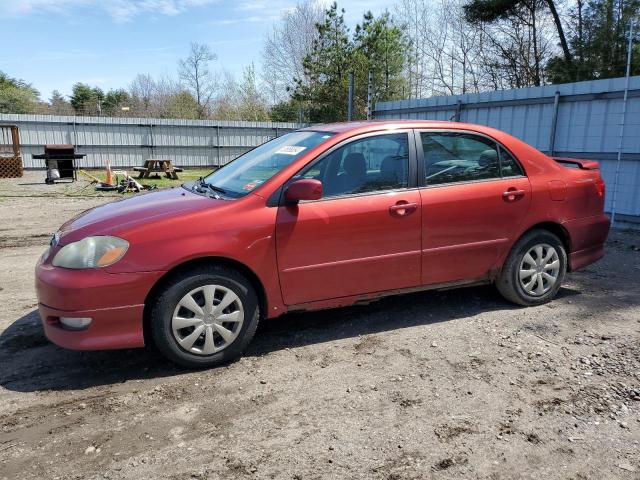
(213, 189)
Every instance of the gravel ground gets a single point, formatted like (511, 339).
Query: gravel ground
(454, 384)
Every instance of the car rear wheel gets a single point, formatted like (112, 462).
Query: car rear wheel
(204, 317)
(534, 270)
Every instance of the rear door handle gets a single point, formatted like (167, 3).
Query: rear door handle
(513, 194)
(403, 208)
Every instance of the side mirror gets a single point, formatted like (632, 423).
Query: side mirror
(305, 189)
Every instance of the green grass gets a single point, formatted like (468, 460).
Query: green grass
(163, 182)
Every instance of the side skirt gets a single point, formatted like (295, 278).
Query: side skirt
(367, 298)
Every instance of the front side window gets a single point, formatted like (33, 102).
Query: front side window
(255, 167)
(368, 164)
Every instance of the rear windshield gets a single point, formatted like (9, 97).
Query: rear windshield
(255, 167)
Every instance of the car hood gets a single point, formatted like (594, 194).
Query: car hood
(115, 217)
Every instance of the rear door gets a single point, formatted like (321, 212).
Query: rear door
(363, 236)
(474, 196)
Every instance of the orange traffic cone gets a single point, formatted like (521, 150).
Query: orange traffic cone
(109, 176)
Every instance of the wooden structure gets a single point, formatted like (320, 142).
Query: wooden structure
(10, 156)
(158, 166)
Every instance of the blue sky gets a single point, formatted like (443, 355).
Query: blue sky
(55, 43)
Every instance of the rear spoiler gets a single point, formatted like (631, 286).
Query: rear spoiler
(578, 163)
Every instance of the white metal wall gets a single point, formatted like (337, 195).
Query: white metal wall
(129, 142)
(588, 118)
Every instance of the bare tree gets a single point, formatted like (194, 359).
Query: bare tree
(241, 100)
(162, 97)
(196, 76)
(416, 17)
(143, 90)
(445, 48)
(290, 40)
(452, 56)
(518, 48)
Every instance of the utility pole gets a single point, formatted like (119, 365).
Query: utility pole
(622, 122)
(370, 96)
(350, 100)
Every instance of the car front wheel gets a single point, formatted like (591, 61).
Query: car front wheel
(204, 317)
(534, 270)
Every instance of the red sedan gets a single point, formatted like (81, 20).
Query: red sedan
(322, 217)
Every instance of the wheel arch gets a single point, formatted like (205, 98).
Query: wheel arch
(249, 274)
(558, 230)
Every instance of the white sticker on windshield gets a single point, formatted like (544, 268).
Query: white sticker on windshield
(291, 150)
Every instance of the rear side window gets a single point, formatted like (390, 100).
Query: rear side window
(451, 157)
(509, 167)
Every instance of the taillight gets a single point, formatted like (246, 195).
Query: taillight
(599, 184)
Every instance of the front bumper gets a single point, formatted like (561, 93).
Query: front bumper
(114, 302)
(111, 328)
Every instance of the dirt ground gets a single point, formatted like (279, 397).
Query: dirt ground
(454, 384)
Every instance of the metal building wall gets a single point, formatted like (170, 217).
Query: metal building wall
(587, 118)
(129, 142)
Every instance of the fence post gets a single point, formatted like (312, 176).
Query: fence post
(15, 139)
(456, 117)
(370, 96)
(151, 142)
(350, 99)
(554, 123)
(622, 122)
(75, 133)
(75, 141)
(218, 144)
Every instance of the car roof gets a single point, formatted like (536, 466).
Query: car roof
(377, 125)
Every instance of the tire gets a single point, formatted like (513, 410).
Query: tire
(222, 338)
(528, 292)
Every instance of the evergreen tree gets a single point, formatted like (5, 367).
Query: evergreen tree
(86, 100)
(113, 102)
(289, 111)
(378, 46)
(599, 41)
(17, 96)
(382, 48)
(326, 70)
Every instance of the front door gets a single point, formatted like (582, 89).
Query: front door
(474, 198)
(364, 235)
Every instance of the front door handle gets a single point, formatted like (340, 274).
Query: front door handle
(402, 208)
(513, 194)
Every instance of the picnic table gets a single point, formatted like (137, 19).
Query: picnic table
(158, 166)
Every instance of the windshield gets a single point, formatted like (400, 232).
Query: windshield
(255, 167)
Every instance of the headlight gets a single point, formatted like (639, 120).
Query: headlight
(91, 252)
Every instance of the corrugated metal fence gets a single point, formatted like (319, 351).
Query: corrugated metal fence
(129, 142)
(580, 120)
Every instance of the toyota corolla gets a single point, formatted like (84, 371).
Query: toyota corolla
(322, 217)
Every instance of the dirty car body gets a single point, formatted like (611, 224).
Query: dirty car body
(323, 217)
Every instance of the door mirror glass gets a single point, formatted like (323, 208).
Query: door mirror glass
(305, 189)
